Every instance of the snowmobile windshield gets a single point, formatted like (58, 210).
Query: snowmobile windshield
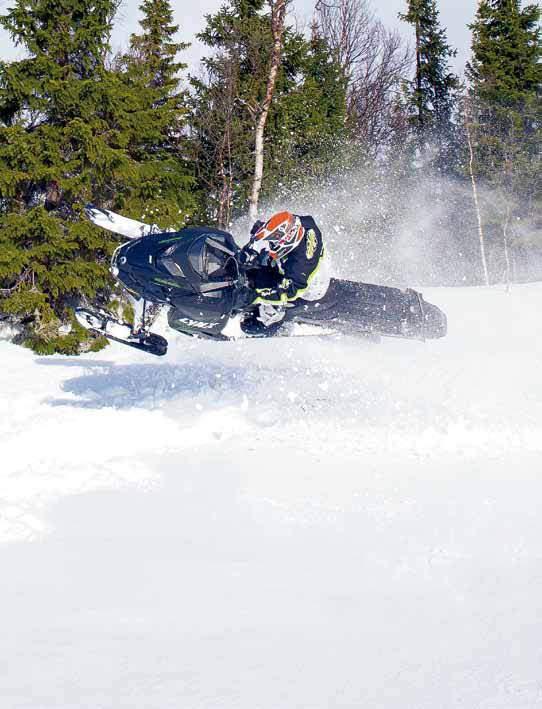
(170, 263)
(208, 257)
(215, 263)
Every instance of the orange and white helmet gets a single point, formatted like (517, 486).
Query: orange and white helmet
(279, 235)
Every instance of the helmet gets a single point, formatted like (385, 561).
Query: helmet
(279, 235)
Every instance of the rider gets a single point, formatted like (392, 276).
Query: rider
(288, 256)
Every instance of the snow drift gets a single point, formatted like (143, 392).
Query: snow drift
(318, 523)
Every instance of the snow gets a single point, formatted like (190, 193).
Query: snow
(319, 522)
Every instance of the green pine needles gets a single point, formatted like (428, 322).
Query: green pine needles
(432, 95)
(74, 130)
(161, 185)
(505, 101)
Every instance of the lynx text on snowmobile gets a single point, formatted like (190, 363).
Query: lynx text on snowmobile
(200, 275)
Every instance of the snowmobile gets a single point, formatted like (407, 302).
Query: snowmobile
(201, 275)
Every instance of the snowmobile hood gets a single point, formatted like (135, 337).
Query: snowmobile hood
(167, 267)
(206, 259)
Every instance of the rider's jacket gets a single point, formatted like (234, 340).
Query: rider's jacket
(287, 279)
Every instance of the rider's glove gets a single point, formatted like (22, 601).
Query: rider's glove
(256, 227)
(252, 257)
(247, 255)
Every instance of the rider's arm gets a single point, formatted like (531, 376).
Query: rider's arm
(286, 291)
(297, 270)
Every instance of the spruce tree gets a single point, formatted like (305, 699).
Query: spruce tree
(307, 122)
(162, 182)
(506, 65)
(505, 115)
(505, 76)
(62, 143)
(433, 93)
(74, 130)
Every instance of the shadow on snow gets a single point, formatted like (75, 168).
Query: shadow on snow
(145, 385)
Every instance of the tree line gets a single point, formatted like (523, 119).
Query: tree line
(272, 108)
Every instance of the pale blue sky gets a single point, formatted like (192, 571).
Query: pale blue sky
(455, 14)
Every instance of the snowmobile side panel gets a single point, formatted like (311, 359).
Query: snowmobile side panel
(189, 319)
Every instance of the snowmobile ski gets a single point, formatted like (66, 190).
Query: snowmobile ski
(117, 224)
(101, 323)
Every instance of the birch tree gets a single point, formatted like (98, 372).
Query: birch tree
(278, 18)
(267, 100)
(474, 184)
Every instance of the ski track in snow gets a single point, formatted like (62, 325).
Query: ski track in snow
(316, 522)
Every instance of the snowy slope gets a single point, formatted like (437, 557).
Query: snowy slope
(298, 523)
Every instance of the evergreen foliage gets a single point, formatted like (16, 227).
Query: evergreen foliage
(61, 144)
(161, 188)
(307, 122)
(433, 93)
(306, 116)
(505, 100)
(506, 67)
(73, 130)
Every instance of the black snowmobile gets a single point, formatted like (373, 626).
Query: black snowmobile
(201, 275)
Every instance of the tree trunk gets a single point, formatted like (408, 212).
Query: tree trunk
(278, 15)
(505, 226)
(475, 195)
(419, 97)
(225, 170)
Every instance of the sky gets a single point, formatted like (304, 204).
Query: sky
(455, 15)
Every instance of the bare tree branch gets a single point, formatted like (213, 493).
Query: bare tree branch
(22, 278)
(375, 62)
